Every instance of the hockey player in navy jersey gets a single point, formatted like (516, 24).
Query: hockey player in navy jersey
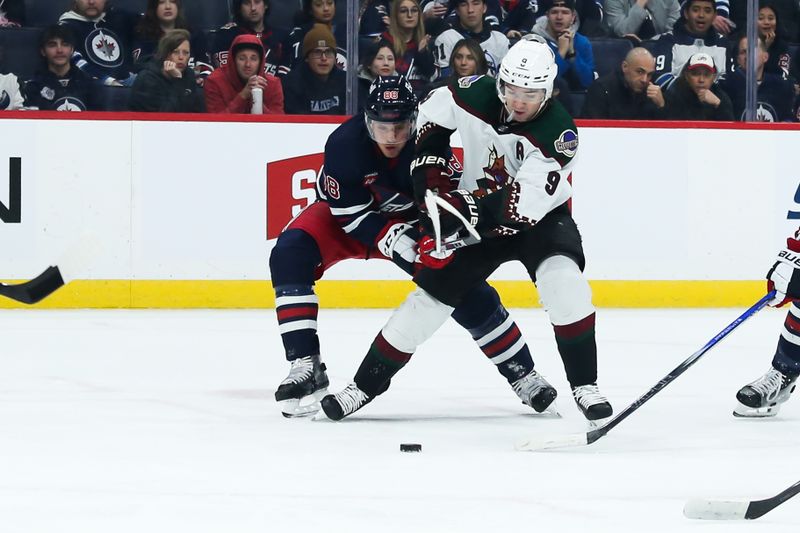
(764, 396)
(365, 209)
(519, 147)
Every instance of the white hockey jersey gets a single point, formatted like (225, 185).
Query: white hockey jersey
(529, 163)
(10, 93)
(493, 43)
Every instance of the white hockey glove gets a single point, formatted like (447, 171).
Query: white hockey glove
(399, 244)
(784, 276)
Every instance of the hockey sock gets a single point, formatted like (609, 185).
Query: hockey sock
(297, 307)
(495, 332)
(576, 344)
(381, 363)
(787, 355)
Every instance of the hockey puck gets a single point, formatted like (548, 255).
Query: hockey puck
(411, 447)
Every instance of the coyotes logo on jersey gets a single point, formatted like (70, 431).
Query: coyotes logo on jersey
(495, 175)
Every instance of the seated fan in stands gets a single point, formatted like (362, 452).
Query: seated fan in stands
(57, 85)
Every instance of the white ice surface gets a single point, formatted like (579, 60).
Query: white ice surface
(164, 421)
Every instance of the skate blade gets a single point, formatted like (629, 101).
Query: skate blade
(743, 411)
(304, 407)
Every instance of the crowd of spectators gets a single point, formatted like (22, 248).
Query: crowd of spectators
(617, 59)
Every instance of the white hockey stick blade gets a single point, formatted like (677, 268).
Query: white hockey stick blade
(534, 444)
(433, 213)
(715, 510)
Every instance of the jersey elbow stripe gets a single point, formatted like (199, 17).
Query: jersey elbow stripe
(347, 211)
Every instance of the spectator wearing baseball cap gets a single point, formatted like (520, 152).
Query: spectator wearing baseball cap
(695, 94)
(313, 13)
(316, 86)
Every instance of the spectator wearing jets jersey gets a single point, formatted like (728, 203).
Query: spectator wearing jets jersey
(519, 150)
(693, 32)
(774, 95)
(573, 51)
(763, 397)
(161, 16)
(103, 37)
(365, 210)
(787, 18)
(316, 86)
(773, 33)
(470, 24)
(57, 85)
(250, 17)
(640, 19)
(411, 44)
(696, 95)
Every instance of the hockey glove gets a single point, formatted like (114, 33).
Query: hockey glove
(431, 172)
(399, 244)
(464, 203)
(784, 276)
(428, 255)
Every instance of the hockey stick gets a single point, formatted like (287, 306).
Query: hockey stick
(732, 510)
(73, 262)
(432, 204)
(582, 439)
(35, 290)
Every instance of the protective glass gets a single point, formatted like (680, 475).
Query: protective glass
(390, 133)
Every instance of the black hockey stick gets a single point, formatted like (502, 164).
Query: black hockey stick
(582, 439)
(36, 289)
(732, 510)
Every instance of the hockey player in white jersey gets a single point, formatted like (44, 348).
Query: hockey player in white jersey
(764, 396)
(470, 24)
(519, 148)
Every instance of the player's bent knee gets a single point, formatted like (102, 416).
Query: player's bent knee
(563, 290)
(294, 258)
(415, 321)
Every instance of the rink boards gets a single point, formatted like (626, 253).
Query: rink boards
(184, 212)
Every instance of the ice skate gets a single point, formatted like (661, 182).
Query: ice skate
(536, 392)
(763, 397)
(344, 403)
(592, 404)
(307, 383)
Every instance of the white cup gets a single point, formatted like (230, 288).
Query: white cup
(258, 101)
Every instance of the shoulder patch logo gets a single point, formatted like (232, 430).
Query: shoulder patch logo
(467, 81)
(567, 143)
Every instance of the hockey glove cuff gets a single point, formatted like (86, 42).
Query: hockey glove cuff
(428, 255)
(399, 244)
(784, 276)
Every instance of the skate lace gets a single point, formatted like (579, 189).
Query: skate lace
(588, 395)
(769, 385)
(351, 398)
(527, 387)
(301, 370)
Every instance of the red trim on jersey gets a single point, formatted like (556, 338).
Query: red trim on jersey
(792, 323)
(576, 329)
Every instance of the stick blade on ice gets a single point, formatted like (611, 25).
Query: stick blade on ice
(715, 510)
(532, 444)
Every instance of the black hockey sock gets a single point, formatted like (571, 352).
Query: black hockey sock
(381, 363)
(576, 344)
(297, 307)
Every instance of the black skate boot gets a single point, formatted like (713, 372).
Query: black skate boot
(763, 397)
(344, 403)
(306, 378)
(535, 391)
(592, 404)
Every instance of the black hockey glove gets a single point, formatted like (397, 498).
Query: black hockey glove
(784, 276)
(430, 172)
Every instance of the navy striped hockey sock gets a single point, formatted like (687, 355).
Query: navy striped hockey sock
(501, 341)
(297, 307)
